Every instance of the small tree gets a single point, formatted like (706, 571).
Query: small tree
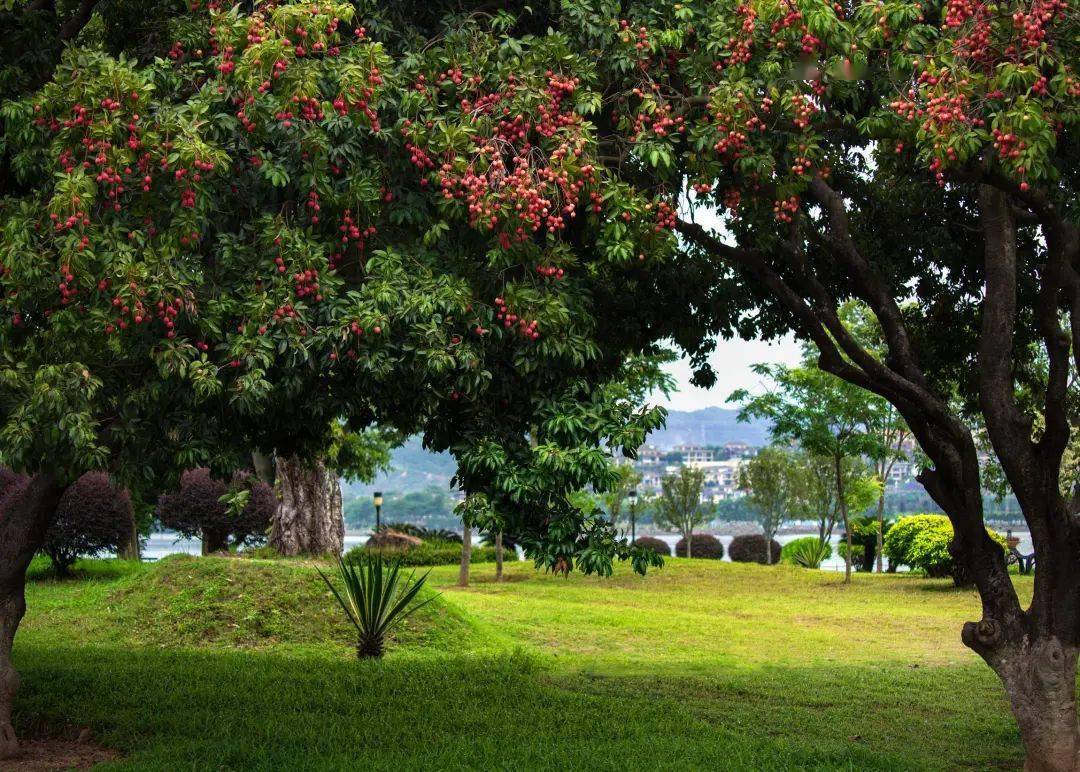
(824, 414)
(775, 486)
(220, 514)
(93, 516)
(679, 505)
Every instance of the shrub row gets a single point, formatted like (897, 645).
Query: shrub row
(431, 553)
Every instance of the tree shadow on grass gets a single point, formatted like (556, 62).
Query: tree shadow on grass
(177, 709)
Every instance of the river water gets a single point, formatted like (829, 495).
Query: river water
(158, 545)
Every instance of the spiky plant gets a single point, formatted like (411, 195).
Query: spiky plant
(811, 553)
(377, 598)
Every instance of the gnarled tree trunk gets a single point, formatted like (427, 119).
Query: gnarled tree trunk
(22, 531)
(309, 520)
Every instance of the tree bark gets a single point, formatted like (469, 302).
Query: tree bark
(498, 556)
(309, 520)
(22, 531)
(466, 557)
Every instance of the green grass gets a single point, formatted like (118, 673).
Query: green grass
(215, 663)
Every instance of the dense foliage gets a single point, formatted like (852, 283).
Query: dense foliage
(751, 548)
(222, 514)
(93, 516)
(864, 533)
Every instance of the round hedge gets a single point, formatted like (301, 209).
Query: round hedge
(751, 549)
(93, 516)
(659, 546)
(703, 546)
(921, 542)
(197, 512)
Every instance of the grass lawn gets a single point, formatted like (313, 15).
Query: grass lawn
(216, 663)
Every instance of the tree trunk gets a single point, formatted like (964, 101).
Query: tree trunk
(263, 466)
(1039, 677)
(768, 549)
(843, 515)
(880, 527)
(22, 531)
(466, 557)
(689, 536)
(498, 556)
(309, 520)
(130, 549)
(214, 541)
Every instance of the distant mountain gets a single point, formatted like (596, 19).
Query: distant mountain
(414, 469)
(708, 426)
(411, 469)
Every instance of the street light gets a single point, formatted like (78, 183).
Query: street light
(378, 509)
(632, 495)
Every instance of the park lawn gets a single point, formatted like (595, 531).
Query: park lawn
(200, 663)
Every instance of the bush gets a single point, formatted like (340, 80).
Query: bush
(93, 516)
(659, 546)
(921, 542)
(703, 546)
(751, 549)
(197, 510)
(863, 542)
(804, 547)
(429, 553)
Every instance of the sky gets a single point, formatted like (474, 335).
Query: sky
(731, 361)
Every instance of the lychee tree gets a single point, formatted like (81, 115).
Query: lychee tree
(266, 227)
(920, 157)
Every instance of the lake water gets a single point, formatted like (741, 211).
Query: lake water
(158, 545)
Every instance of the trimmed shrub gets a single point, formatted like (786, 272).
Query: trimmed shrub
(703, 546)
(659, 546)
(429, 553)
(197, 511)
(93, 516)
(797, 551)
(921, 542)
(751, 549)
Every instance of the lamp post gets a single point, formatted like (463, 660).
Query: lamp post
(632, 495)
(378, 510)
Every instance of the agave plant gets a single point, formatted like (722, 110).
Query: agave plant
(377, 598)
(810, 553)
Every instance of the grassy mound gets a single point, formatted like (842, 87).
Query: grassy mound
(188, 602)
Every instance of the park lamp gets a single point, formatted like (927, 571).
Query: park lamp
(632, 495)
(378, 509)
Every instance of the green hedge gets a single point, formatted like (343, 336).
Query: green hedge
(921, 542)
(433, 553)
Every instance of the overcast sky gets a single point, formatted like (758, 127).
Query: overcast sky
(731, 361)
